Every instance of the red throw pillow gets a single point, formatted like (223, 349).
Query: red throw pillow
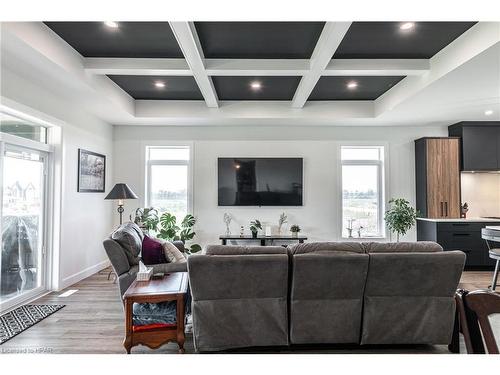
(152, 251)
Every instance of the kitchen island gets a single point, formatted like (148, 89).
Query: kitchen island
(460, 234)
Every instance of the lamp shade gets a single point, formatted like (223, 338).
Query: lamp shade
(121, 191)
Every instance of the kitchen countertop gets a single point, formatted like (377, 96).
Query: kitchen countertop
(468, 220)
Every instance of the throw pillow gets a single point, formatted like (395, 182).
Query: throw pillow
(172, 253)
(152, 251)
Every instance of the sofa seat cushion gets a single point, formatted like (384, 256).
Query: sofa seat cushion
(403, 247)
(152, 251)
(322, 247)
(129, 236)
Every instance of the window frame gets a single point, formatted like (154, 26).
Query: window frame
(149, 163)
(382, 184)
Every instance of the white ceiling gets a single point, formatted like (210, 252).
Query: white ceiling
(462, 81)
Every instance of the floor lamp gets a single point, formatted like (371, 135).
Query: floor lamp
(121, 192)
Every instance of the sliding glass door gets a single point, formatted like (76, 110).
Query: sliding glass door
(23, 264)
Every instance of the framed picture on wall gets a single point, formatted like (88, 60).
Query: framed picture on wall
(91, 172)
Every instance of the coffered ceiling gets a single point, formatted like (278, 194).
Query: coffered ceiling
(214, 72)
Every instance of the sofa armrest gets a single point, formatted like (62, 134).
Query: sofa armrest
(117, 256)
(169, 267)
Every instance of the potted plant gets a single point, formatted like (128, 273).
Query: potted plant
(170, 231)
(295, 229)
(147, 219)
(283, 220)
(254, 227)
(400, 217)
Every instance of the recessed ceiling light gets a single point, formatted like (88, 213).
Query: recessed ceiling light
(407, 26)
(111, 24)
(255, 85)
(352, 85)
(488, 112)
(160, 84)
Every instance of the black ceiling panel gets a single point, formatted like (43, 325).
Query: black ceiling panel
(129, 39)
(272, 88)
(368, 87)
(143, 87)
(258, 40)
(385, 40)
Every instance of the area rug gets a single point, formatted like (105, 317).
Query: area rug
(18, 320)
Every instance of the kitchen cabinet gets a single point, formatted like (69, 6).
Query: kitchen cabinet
(480, 143)
(437, 175)
(459, 235)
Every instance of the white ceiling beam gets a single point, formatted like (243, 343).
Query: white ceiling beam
(136, 66)
(377, 67)
(186, 36)
(473, 42)
(256, 67)
(328, 42)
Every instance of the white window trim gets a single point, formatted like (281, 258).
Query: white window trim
(147, 169)
(383, 183)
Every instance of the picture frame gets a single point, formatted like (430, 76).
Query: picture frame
(91, 172)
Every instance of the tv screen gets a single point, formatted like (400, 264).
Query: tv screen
(260, 181)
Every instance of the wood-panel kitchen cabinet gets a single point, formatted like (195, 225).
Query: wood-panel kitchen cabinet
(437, 167)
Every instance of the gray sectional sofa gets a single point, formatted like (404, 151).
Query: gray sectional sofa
(326, 292)
(124, 247)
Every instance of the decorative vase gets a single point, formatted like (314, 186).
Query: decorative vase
(254, 234)
(295, 234)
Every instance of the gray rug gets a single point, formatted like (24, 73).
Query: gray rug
(18, 320)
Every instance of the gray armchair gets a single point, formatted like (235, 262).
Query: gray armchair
(123, 248)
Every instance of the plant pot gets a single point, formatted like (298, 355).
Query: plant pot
(254, 234)
(295, 234)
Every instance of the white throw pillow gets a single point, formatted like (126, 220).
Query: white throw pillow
(172, 253)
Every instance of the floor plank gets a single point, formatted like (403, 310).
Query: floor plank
(93, 322)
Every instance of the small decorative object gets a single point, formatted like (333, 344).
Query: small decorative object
(144, 273)
(91, 172)
(359, 231)
(349, 227)
(227, 221)
(268, 231)
(295, 229)
(254, 227)
(400, 217)
(121, 192)
(283, 220)
(463, 210)
(242, 231)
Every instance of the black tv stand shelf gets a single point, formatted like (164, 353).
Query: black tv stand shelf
(262, 239)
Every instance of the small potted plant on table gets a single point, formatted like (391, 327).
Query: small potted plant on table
(254, 227)
(295, 229)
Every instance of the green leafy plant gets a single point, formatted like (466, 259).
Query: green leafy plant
(255, 226)
(295, 228)
(400, 217)
(147, 218)
(170, 231)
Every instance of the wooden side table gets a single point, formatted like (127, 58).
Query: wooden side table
(173, 287)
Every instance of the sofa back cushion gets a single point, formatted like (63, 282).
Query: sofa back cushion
(322, 247)
(326, 296)
(243, 250)
(409, 297)
(239, 300)
(130, 237)
(402, 247)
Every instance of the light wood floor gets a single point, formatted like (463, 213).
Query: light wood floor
(92, 322)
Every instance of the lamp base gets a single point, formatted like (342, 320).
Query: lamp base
(120, 211)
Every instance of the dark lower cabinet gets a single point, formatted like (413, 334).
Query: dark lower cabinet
(459, 235)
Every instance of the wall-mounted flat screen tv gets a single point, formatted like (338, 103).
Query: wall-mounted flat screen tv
(260, 181)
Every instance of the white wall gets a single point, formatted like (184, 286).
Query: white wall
(319, 217)
(85, 218)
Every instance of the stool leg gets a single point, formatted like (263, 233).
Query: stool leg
(495, 275)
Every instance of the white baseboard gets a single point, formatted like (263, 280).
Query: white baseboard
(89, 271)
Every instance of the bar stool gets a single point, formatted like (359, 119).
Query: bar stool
(495, 254)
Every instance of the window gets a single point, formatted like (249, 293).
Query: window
(362, 191)
(168, 179)
(22, 128)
